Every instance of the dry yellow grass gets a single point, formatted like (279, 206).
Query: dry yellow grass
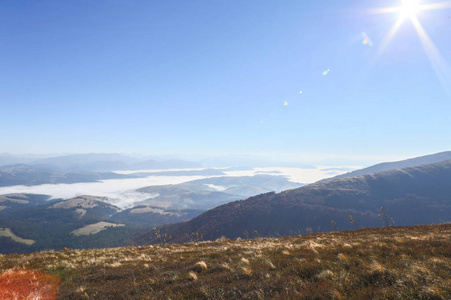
(385, 263)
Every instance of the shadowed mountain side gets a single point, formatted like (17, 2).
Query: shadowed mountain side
(412, 162)
(411, 196)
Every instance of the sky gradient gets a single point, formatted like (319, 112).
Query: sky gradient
(223, 77)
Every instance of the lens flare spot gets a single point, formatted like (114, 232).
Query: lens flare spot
(326, 72)
(285, 103)
(366, 40)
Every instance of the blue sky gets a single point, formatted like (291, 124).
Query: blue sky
(212, 77)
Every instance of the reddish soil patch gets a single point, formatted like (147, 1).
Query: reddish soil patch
(28, 284)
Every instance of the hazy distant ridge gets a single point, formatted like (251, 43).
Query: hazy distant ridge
(97, 162)
(412, 162)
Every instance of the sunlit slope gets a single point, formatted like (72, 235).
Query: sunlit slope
(411, 196)
(378, 263)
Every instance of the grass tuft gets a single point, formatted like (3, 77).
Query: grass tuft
(192, 275)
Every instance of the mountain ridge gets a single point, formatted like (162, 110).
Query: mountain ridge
(411, 196)
(386, 166)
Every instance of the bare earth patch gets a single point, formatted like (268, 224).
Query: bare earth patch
(28, 284)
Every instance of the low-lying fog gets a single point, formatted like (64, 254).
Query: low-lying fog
(122, 192)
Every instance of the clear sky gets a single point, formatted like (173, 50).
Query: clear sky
(224, 77)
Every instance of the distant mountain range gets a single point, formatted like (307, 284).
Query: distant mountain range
(409, 196)
(97, 162)
(35, 175)
(10, 159)
(27, 170)
(44, 174)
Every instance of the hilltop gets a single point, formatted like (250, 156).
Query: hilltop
(378, 263)
(402, 164)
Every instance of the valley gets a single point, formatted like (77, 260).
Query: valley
(205, 204)
(88, 221)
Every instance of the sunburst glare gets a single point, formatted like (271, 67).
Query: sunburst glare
(438, 62)
(409, 9)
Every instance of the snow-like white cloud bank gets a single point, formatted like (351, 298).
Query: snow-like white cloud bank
(122, 192)
(298, 175)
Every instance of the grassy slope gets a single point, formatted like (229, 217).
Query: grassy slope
(379, 263)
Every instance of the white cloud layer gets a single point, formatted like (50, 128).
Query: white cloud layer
(122, 192)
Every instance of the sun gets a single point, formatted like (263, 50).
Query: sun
(409, 8)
